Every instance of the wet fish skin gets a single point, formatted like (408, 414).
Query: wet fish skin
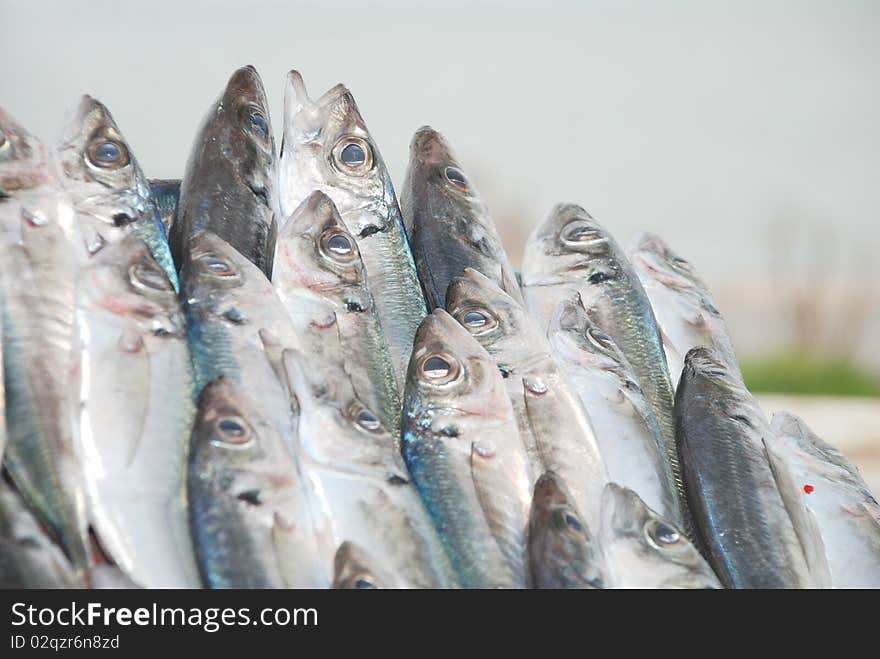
(684, 308)
(108, 189)
(232, 311)
(846, 511)
(627, 432)
(229, 185)
(644, 550)
(364, 487)
(572, 254)
(356, 569)
(166, 194)
(463, 451)
(562, 551)
(38, 272)
(539, 393)
(320, 277)
(315, 135)
(137, 414)
(28, 556)
(447, 223)
(244, 494)
(738, 503)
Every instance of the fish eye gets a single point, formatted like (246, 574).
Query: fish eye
(567, 519)
(353, 155)
(366, 420)
(107, 154)
(364, 582)
(338, 245)
(663, 535)
(456, 177)
(218, 267)
(477, 320)
(259, 123)
(600, 339)
(579, 233)
(144, 275)
(439, 368)
(233, 430)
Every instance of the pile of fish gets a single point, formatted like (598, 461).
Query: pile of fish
(271, 374)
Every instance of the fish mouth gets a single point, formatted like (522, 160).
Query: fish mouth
(429, 146)
(296, 95)
(246, 83)
(83, 119)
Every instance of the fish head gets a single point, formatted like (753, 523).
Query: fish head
(326, 146)
(124, 279)
(316, 252)
(562, 550)
(651, 255)
(235, 147)
(230, 442)
(98, 168)
(215, 275)
(569, 245)
(495, 319)
(334, 425)
(451, 375)
(23, 161)
(579, 340)
(436, 180)
(646, 550)
(355, 568)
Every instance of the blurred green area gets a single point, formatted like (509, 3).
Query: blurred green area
(804, 373)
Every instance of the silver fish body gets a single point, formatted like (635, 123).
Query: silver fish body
(463, 451)
(137, 414)
(741, 496)
(39, 267)
(540, 395)
(320, 277)
(365, 489)
(846, 511)
(627, 432)
(327, 147)
(448, 224)
(166, 194)
(644, 550)
(232, 311)
(571, 254)
(228, 187)
(684, 308)
(107, 187)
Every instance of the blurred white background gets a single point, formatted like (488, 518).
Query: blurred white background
(745, 133)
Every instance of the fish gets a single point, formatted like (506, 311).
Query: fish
(628, 435)
(320, 277)
(538, 390)
(563, 552)
(742, 497)
(229, 184)
(326, 146)
(108, 189)
(463, 451)
(571, 254)
(366, 491)
(40, 253)
(166, 194)
(238, 329)
(29, 558)
(846, 510)
(447, 222)
(685, 311)
(644, 549)
(137, 414)
(247, 509)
